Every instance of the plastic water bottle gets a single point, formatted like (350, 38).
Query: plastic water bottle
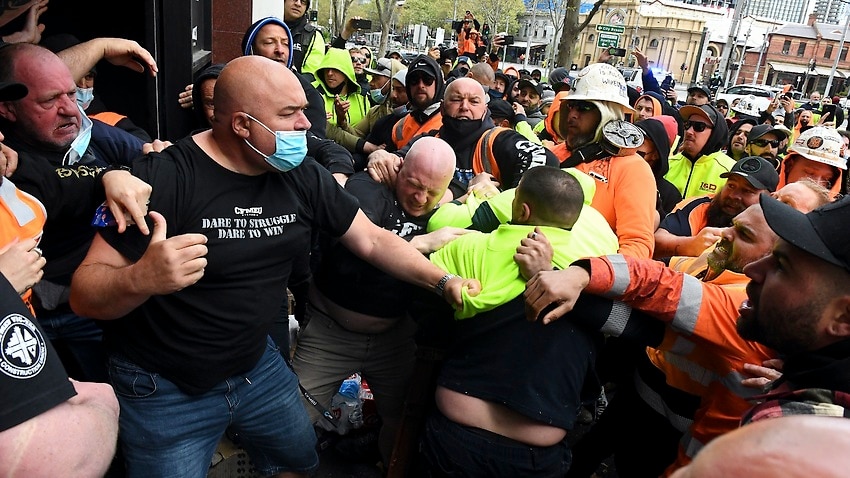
(347, 405)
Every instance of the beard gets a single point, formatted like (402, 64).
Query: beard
(789, 331)
(715, 216)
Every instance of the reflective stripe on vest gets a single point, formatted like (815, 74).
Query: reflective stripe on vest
(405, 130)
(483, 160)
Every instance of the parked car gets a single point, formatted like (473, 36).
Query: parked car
(763, 94)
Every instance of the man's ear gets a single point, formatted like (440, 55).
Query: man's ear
(525, 213)
(7, 111)
(839, 322)
(239, 123)
(504, 123)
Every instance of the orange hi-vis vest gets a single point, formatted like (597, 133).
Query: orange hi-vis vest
(482, 159)
(408, 128)
(108, 117)
(22, 216)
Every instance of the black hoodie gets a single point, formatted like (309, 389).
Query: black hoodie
(668, 194)
(427, 64)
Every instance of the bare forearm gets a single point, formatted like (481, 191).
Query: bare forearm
(82, 57)
(105, 292)
(667, 244)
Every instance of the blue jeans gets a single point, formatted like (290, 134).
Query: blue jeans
(165, 432)
(453, 450)
(79, 343)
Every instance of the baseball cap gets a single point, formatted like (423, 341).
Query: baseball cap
(12, 91)
(383, 67)
(401, 77)
(759, 172)
(702, 88)
(560, 79)
(707, 112)
(821, 233)
(762, 129)
(531, 83)
(463, 59)
(500, 109)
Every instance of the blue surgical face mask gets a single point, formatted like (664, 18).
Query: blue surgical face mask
(378, 95)
(81, 142)
(84, 97)
(289, 150)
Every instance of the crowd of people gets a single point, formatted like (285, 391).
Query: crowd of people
(499, 255)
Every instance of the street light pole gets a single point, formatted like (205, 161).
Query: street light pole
(837, 56)
(528, 37)
(743, 52)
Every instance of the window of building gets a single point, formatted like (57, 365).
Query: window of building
(801, 49)
(590, 38)
(844, 53)
(653, 43)
(786, 47)
(827, 52)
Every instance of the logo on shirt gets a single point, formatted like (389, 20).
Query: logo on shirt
(23, 351)
(248, 211)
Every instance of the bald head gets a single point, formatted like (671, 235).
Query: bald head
(465, 99)
(483, 74)
(249, 83)
(424, 176)
(804, 195)
(791, 447)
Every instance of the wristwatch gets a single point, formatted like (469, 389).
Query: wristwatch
(440, 288)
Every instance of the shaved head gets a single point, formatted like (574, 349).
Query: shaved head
(425, 175)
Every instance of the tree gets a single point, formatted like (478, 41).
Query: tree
(572, 28)
(386, 10)
(339, 12)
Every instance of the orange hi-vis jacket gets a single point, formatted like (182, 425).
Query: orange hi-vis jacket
(625, 195)
(408, 128)
(701, 353)
(22, 216)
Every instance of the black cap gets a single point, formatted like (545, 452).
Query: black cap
(762, 129)
(501, 109)
(531, 83)
(822, 233)
(560, 79)
(702, 88)
(12, 91)
(759, 172)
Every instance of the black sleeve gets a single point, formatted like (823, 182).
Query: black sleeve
(515, 155)
(616, 319)
(316, 110)
(329, 154)
(34, 380)
(55, 187)
(338, 42)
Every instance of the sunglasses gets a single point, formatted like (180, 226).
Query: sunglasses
(357, 59)
(425, 79)
(581, 106)
(761, 143)
(698, 127)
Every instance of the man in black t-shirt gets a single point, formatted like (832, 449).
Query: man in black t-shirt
(358, 319)
(189, 308)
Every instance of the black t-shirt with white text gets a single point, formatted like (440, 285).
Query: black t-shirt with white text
(256, 226)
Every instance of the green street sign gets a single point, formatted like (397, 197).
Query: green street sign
(607, 40)
(611, 28)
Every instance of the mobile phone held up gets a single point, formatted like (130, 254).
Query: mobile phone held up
(507, 40)
(613, 51)
(362, 24)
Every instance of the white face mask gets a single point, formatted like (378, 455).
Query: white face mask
(81, 142)
(84, 97)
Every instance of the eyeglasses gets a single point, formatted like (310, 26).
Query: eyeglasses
(761, 143)
(425, 79)
(698, 127)
(581, 106)
(357, 59)
(723, 107)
